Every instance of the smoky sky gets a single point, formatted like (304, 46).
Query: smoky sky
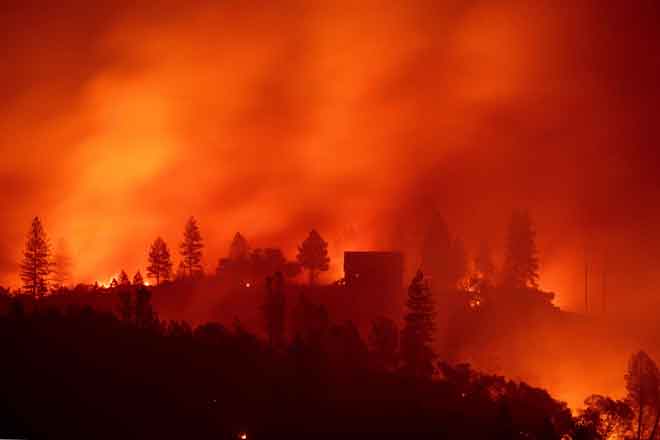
(119, 121)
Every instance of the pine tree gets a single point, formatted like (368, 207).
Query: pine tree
(137, 279)
(274, 309)
(191, 249)
(521, 267)
(123, 279)
(313, 255)
(180, 271)
(61, 266)
(126, 307)
(417, 334)
(384, 342)
(438, 259)
(239, 250)
(483, 263)
(459, 266)
(36, 265)
(145, 316)
(160, 265)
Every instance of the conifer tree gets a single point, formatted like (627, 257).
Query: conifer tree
(61, 266)
(443, 259)
(384, 342)
(123, 279)
(36, 265)
(239, 250)
(417, 334)
(274, 308)
(191, 249)
(137, 279)
(160, 265)
(521, 267)
(483, 263)
(313, 255)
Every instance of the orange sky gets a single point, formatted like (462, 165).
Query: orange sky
(275, 117)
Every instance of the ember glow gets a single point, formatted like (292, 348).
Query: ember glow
(358, 119)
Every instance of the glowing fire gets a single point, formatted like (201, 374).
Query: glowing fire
(108, 283)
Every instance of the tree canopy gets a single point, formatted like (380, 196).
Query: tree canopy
(313, 255)
(160, 265)
(36, 266)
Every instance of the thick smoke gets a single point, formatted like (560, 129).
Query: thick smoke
(272, 118)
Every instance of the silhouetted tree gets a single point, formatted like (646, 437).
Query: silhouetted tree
(191, 249)
(144, 312)
(274, 308)
(443, 259)
(123, 279)
(36, 265)
(313, 255)
(459, 260)
(310, 321)
(604, 418)
(384, 342)
(417, 334)
(137, 279)
(114, 283)
(239, 249)
(483, 263)
(61, 266)
(160, 266)
(643, 386)
(344, 348)
(180, 271)
(125, 305)
(521, 267)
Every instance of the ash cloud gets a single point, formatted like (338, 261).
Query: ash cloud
(118, 123)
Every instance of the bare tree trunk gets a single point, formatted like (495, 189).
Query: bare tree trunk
(655, 425)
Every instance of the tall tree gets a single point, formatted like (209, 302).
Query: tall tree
(137, 279)
(643, 386)
(123, 279)
(274, 309)
(181, 271)
(144, 313)
(126, 307)
(36, 265)
(443, 259)
(239, 250)
(521, 267)
(417, 334)
(384, 342)
(483, 263)
(313, 255)
(61, 265)
(459, 266)
(191, 249)
(160, 265)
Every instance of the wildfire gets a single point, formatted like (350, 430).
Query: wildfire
(108, 283)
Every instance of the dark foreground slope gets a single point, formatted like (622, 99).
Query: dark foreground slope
(85, 374)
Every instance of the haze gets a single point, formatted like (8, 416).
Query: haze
(272, 118)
